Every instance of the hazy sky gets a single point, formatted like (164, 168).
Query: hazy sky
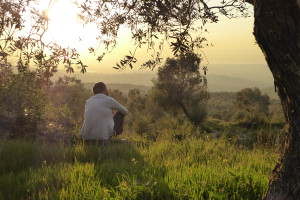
(233, 40)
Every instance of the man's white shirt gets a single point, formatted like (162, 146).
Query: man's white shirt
(98, 118)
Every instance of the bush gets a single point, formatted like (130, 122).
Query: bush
(144, 127)
(22, 103)
(199, 114)
(56, 124)
(63, 118)
(249, 120)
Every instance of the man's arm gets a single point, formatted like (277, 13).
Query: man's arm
(117, 106)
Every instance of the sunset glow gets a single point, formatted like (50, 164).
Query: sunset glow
(64, 27)
(233, 42)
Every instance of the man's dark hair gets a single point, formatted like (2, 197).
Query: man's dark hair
(99, 88)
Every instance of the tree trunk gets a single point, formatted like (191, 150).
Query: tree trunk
(277, 31)
(184, 109)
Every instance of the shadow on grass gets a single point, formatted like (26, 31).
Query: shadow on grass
(39, 171)
(123, 170)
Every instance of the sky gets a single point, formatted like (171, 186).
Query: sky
(232, 39)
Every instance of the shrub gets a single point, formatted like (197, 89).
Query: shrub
(142, 125)
(63, 118)
(249, 120)
(22, 103)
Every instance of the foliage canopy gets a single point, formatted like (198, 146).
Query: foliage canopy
(180, 85)
(152, 23)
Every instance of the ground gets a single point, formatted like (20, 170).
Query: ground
(193, 168)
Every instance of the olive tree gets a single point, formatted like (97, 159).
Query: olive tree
(179, 85)
(252, 107)
(252, 100)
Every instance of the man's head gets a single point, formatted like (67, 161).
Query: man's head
(100, 87)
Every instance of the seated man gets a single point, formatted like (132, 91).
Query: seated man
(99, 123)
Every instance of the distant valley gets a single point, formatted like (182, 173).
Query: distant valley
(230, 78)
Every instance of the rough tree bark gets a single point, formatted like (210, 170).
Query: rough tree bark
(277, 31)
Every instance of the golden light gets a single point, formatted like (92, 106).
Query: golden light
(64, 26)
(232, 39)
(66, 30)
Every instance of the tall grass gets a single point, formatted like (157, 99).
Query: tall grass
(165, 169)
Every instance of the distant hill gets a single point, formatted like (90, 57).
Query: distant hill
(122, 78)
(124, 88)
(271, 92)
(218, 83)
(229, 78)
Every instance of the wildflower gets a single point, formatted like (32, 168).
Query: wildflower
(134, 160)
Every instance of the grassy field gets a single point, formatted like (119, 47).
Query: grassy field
(165, 169)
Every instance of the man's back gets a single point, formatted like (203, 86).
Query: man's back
(98, 117)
